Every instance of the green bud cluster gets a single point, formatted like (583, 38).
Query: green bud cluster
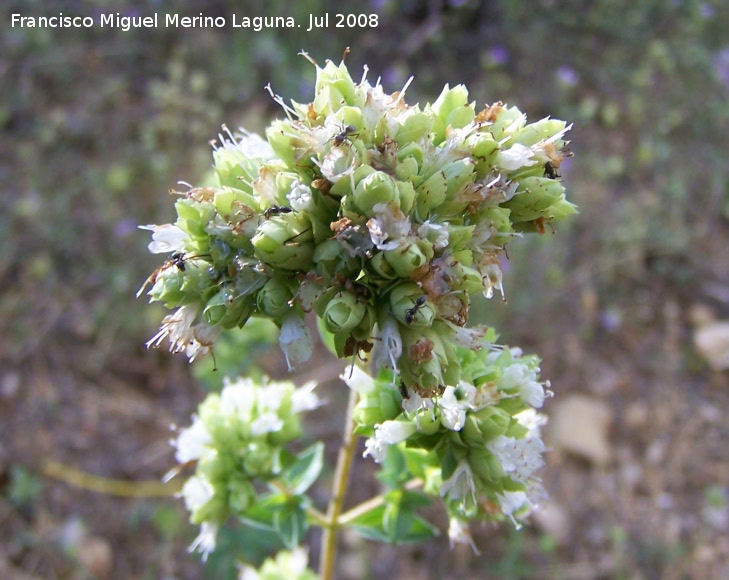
(237, 439)
(381, 217)
(291, 565)
(476, 445)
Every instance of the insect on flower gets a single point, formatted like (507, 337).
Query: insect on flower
(276, 210)
(344, 135)
(411, 313)
(177, 259)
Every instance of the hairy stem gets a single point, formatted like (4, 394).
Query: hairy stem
(341, 478)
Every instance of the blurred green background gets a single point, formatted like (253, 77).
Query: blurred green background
(98, 124)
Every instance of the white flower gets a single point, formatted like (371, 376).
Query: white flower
(177, 326)
(532, 420)
(386, 434)
(512, 502)
(205, 541)
(196, 492)
(439, 232)
(304, 399)
(191, 442)
(516, 157)
(266, 423)
(460, 485)
(520, 458)
(493, 277)
(471, 338)
(238, 398)
(522, 378)
(300, 196)
(459, 533)
(358, 380)
(166, 238)
(389, 348)
(453, 404)
(253, 146)
(390, 227)
(295, 340)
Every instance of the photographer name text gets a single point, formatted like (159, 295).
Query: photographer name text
(255, 23)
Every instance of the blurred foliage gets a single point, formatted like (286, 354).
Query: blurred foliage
(97, 124)
(24, 487)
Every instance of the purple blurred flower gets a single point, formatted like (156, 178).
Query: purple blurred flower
(567, 75)
(720, 61)
(498, 55)
(706, 10)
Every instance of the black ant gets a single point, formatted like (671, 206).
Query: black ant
(176, 259)
(551, 171)
(403, 389)
(344, 135)
(276, 210)
(410, 313)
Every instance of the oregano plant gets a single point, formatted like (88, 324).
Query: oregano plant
(382, 220)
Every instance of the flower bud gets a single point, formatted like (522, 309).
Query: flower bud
(377, 187)
(193, 217)
(331, 259)
(291, 143)
(285, 242)
(378, 406)
(333, 87)
(486, 467)
(409, 304)
(452, 110)
(241, 495)
(258, 459)
(485, 425)
(410, 257)
(431, 194)
(413, 129)
(343, 313)
(539, 131)
(484, 150)
(225, 310)
(274, 298)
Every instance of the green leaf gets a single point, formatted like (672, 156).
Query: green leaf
(394, 471)
(263, 513)
(326, 337)
(302, 474)
(396, 522)
(290, 524)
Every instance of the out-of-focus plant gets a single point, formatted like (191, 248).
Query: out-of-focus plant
(383, 219)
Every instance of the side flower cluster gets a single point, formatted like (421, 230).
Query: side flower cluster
(476, 445)
(236, 438)
(381, 217)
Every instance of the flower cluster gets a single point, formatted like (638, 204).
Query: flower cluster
(381, 217)
(476, 445)
(291, 565)
(237, 438)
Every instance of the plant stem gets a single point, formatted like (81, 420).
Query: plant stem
(341, 477)
(373, 503)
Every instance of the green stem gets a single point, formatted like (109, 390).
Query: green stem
(370, 504)
(341, 478)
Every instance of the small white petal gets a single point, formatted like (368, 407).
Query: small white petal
(192, 442)
(295, 340)
(358, 380)
(166, 238)
(205, 541)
